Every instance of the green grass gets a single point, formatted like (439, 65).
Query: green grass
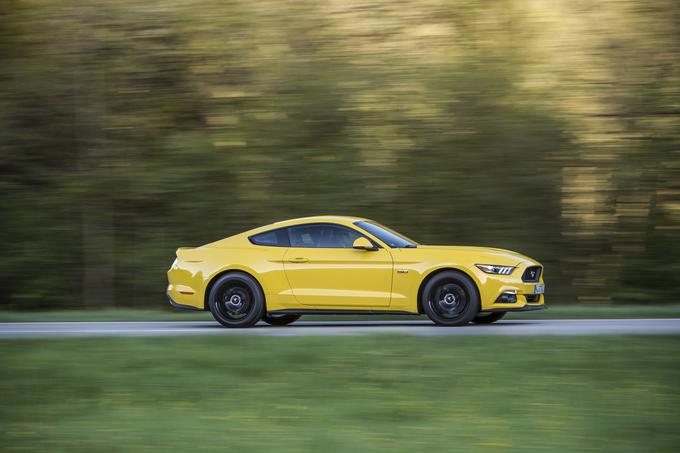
(554, 312)
(577, 311)
(341, 394)
(109, 314)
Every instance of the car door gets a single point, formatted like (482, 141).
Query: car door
(324, 270)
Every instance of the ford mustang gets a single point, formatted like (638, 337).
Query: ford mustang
(348, 265)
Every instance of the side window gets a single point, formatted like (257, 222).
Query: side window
(275, 238)
(322, 236)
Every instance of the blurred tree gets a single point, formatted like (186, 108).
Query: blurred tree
(129, 129)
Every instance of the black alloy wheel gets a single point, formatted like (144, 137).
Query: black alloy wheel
(236, 300)
(488, 318)
(450, 298)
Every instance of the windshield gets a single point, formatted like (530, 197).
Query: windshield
(389, 237)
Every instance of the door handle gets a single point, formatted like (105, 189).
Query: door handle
(298, 260)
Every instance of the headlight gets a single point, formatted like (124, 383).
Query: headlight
(494, 269)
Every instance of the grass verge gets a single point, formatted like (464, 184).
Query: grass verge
(364, 393)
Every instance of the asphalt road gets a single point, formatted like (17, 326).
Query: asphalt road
(301, 328)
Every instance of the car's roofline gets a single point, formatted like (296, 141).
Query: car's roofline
(337, 219)
(321, 218)
(342, 220)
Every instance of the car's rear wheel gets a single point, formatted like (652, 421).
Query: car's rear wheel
(450, 298)
(236, 300)
(280, 320)
(488, 318)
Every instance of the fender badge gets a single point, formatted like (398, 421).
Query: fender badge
(402, 271)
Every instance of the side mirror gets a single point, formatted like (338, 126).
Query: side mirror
(363, 244)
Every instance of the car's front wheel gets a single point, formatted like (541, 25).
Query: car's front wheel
(236, 300)
(488, 318)
(280, 320)
(450, 298)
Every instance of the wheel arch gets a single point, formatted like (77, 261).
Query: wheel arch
(218, 275)
(432, 273)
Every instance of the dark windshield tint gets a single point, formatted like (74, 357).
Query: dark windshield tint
(389, 237)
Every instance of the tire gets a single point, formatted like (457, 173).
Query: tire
(488, 318)
(236, 300)
(280, 320)
(450, 298)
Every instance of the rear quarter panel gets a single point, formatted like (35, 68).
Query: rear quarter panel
(193, 271)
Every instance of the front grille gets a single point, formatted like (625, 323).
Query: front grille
(533, 298)
(532, 274)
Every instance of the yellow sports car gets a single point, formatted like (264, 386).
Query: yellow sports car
(349, 265)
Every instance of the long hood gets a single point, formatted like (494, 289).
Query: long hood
(502, 256)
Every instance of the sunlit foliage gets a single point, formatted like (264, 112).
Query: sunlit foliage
(131, 128)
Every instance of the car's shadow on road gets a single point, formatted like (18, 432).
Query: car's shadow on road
(361, 324)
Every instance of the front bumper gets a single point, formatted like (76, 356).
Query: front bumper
(493, 286)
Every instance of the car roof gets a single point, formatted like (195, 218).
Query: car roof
(342, 220)
(339, 219)
(320, 218)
